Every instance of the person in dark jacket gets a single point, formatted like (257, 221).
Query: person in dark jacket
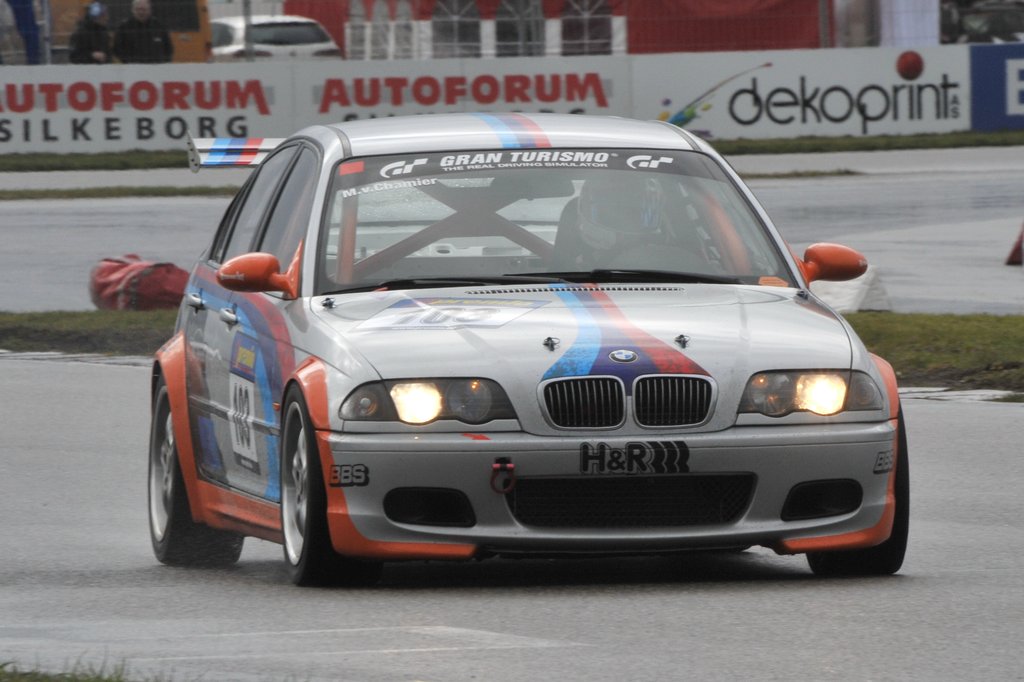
(90, 43)
(142, 39)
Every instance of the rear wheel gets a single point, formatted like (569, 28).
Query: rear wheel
(308, 551)
(177, 539)
(886, 558)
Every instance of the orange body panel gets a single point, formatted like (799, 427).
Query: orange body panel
(345, 537)
(209, 503)
(232, 511)
(880, 532)
(171, 362)
(869, 537)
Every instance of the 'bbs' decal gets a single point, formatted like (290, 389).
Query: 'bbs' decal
(346, 475)
(654, 457)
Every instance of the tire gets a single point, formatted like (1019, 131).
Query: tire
(177, 539)
(886, 558)
(308, 552)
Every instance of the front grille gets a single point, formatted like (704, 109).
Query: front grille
(672, 401)
(585, 403)
(633, 502)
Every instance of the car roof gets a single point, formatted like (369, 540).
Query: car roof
(486, 131)
(266, 19)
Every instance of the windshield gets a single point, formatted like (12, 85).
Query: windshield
(1000, 24)
(536, 212)
(288, 33)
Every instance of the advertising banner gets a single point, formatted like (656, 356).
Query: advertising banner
(111, 108)
(997, 75)
(783, 94)
(778, 94)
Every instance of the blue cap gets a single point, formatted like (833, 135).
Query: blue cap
(97, 9)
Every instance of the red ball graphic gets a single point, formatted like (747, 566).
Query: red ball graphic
(909, 65)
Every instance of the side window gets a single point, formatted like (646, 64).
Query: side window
(289, 219)
(224, 228)
(221, 34)
(251, 212)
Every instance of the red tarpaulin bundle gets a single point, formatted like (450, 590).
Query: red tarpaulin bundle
(130, 283)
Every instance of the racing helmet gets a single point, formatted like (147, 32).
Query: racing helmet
(621, 209)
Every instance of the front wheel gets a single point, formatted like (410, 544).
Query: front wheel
(308, 551)
(886, 558)
(177, 539)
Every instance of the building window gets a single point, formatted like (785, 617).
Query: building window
(519, 28)
(456, 29)
(356, 30)
(403, 32)
(586, 27)
(380, 30)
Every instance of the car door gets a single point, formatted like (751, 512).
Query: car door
(205, 298)
(262, 352)
(229, 434)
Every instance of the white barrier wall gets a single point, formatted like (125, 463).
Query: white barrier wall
(720, 95)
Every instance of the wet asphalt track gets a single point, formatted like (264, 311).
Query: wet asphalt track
(79, 585)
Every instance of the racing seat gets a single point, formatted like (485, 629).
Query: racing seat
(570, 251)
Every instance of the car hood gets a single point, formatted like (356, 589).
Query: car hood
(521, 336)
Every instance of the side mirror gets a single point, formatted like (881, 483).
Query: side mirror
(257, 272)
(832, 263)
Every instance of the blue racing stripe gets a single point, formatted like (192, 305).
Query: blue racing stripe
(273, 474)
(508, 137)
(578, 360)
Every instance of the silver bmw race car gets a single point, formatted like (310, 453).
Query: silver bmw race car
(469, 335)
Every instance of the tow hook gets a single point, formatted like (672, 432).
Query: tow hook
(503, 465)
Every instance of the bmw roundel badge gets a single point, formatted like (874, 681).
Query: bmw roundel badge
(623, 355)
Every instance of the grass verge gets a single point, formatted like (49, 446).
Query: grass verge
(953, 351)
(110, 332)
(11, 673)
(141, 160)
(117, 192)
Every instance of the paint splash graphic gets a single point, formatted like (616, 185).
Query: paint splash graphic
(701, 103)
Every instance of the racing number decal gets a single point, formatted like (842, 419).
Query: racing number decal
(241, 384)
(242, 437)
(450, 313)
(434, 317)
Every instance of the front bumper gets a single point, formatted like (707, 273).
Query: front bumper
(778, 458)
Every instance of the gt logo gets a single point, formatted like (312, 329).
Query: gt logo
(656, 457)
(345, 475)
(400, 168)
(646, 161)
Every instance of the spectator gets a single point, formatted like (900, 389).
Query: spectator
(142, 39)
(90, 43)
(25, 18)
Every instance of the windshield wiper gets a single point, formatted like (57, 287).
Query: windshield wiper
(441, 282)
(633, 275)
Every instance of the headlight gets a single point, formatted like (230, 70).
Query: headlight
(417, 403)
(469, 400)
(820, 393)
(369, 402)
(776, 394)
(421, 401)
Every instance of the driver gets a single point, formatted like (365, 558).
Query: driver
(624, 222)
